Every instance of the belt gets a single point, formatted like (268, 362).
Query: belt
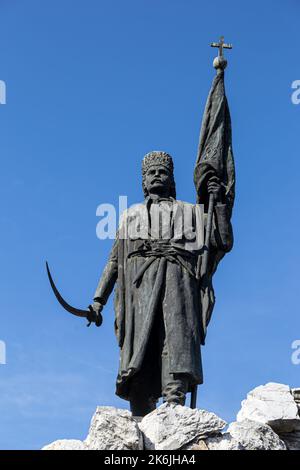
(153, 249)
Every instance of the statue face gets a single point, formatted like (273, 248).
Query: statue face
(158, 180)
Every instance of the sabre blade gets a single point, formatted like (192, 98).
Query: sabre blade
(75, 311)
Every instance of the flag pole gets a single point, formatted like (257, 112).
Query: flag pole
(219, 64)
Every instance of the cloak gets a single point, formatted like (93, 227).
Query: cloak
(151, 277)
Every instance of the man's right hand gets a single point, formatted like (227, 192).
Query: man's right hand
(94, 314)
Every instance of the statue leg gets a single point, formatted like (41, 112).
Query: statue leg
(146, 384)
(141, 406)
(175, 389)
(141, 403)
(174, 386)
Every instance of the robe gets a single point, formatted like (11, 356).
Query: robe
(163, 274)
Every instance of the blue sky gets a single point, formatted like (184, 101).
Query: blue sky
(91, 87)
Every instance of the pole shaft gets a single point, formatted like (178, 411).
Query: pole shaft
(194, 397)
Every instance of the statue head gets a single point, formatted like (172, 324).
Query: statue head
(158, 174)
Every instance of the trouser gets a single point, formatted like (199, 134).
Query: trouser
(155, 379)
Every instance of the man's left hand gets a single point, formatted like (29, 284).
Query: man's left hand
(214, 187)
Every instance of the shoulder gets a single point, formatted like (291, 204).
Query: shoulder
(188, 205)
(183, 203)
(132, 211)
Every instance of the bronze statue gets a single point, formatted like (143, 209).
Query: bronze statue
(161, 265)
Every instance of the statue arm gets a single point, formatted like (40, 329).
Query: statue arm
(222, 234)
(109, 276)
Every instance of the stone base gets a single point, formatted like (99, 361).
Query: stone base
(268, 420)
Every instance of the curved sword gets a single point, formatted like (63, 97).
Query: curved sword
(75, 311)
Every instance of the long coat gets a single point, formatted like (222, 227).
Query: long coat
(148, 281)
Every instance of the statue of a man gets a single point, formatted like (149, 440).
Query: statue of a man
(158, 302)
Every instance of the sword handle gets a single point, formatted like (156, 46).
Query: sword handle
(96, 317)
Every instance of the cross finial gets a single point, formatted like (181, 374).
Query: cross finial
(221, 45)
(220, 62)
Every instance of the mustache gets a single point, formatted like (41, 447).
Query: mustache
(156, 180)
